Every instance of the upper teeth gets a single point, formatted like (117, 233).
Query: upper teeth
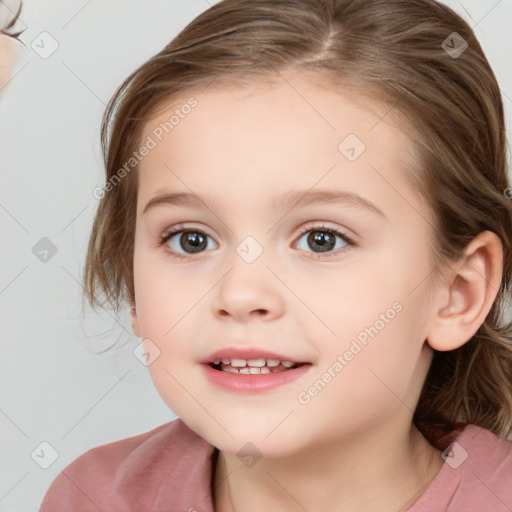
(255, 363)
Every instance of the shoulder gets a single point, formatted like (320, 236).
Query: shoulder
(476, 475)
(136, 473)
(493, 453)
(486, 471)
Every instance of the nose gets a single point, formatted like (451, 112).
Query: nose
(248, 291)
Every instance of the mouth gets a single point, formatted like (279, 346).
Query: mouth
(249, 370)
(253, 366)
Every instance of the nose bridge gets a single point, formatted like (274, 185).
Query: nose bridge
(248, 287)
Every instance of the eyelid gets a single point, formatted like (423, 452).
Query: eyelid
(184, 227)
(309, 226)
(324, 226)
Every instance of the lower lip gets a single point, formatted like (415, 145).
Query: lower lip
(254, 383)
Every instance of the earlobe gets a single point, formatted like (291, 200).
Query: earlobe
(468, 294)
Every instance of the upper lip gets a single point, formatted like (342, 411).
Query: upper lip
(247, 353)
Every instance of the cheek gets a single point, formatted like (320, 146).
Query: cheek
(352, 300)
(376, 316)
(167, 307)
(377, 377)
(164, 291)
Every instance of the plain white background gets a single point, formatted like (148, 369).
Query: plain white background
(56, 385)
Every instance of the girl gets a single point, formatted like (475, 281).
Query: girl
(307, 208)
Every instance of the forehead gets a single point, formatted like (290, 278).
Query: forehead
(266, 134)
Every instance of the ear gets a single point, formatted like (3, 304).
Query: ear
(468, 293)
(135, 320)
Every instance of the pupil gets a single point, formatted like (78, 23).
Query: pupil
(324, 240)
(196, 241)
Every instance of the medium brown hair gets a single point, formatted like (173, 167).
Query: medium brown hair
(395, 51)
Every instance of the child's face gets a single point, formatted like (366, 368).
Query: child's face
(305, 297)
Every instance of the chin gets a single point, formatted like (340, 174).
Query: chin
(247, 437)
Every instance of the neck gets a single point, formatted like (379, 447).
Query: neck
(364, 473)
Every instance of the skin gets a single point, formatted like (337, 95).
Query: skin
(8, 55)
(353, 446)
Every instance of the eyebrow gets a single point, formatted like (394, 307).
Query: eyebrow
(285, 201)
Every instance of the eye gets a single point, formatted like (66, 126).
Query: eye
(190, 241)
(323, 240)
(184, 243)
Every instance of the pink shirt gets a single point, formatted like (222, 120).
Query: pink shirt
(170, 469)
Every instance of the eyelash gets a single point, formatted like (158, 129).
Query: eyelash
(170, 252)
